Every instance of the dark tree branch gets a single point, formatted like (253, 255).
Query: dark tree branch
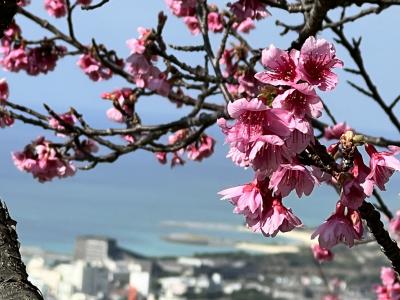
(98, 5)
(378, 141)
(362, 13)
(354, 50)
(313, 23)
(14, 283)
(388, 246)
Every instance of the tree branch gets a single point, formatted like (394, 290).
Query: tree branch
(14, 283)
(388, 246)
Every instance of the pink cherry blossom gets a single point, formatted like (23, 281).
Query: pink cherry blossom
(388, 276)
(391, 292)
(15, 60)
(390, 288)
(129, 138)
(12, 33)
(301, 101)
(122, 106)
(281, 67)
(138, 66)
(138, 45)
(273, 218)
(66, 118)
(215, 22)
(248, 86)
(357, 187)
(263, 212)
(258, 133)
(352, 194)
(5, 118)
(146, 75)
(43, 161)
(321, 254)
(253, 9)
(158, 82)
(244, 26)
(124, 94)
(301, 136)
(227, 60)
(56, 8)
(201, 149)
(331, 297)
(182, 8)
(382, 164)
(320, 175)
(245, 197)
(193, 24)
(177, 160)
(317, 58)
(115, 115)
(178, 136)
(292, 176)
(255, 119)
(43, 59)
(335, 131)
(239, 158)
(341, 227)
(161, 157)
(86, 147)
(93, 68)
(4, 90)
(268, 153)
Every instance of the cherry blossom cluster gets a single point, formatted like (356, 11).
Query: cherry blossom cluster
(123, 100)
(43, 161)
(93, 68)
(58, 8)
(245, 12)
(271, 134)
(233, 61)
(17, 55)
(390, 287)
(123, 108)
(253, 9)
(335, 132)
(5, 118)
(197, 151)
(141, 64)
(65, 119)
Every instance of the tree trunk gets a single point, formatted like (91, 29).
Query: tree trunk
(14, 283)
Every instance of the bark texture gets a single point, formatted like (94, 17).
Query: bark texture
(388, 246)
(14, 283)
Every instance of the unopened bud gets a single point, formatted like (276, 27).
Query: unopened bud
(347, 139)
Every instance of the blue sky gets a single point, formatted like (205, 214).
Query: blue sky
(136, 192)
